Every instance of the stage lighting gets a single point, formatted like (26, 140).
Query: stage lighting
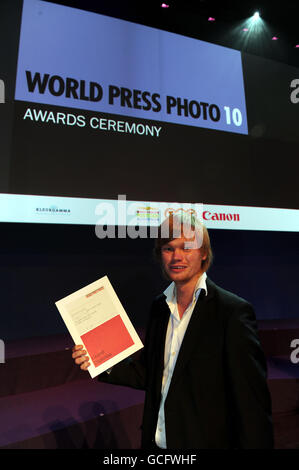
(164, 5)
(211, 18)
(253, 26)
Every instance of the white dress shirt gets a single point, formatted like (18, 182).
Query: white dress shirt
(175, 334)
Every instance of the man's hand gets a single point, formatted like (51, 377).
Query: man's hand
(80, 357)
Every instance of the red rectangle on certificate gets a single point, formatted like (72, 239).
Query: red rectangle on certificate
(107, 340)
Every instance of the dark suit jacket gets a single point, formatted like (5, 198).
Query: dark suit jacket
(218, 397)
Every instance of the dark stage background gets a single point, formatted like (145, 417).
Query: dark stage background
(42, 263)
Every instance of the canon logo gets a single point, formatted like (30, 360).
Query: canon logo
(207, 215)
(2, 92)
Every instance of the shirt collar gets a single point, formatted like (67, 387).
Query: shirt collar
(170, 291)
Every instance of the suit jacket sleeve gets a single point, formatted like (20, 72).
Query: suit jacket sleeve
(247, 372)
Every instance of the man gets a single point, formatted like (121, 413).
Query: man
(202, 365)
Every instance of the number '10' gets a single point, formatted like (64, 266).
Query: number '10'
(235, 115)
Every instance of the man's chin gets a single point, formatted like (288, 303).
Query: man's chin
(177, 275)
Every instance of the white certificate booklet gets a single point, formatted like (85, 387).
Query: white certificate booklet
(96, 319)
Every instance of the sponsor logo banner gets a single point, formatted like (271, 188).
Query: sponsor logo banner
(120, 212)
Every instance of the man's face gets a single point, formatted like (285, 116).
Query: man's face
(180, 263)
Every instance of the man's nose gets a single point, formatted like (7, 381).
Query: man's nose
(177, 254)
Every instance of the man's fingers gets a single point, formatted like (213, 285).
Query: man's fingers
(83, 362)
(80, 359)
(78, 352)
(80, 356)
(85, 365)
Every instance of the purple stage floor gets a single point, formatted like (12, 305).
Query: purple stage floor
(48, 402)
(31, 414)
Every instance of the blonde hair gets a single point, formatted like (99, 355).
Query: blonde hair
(177, 225)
